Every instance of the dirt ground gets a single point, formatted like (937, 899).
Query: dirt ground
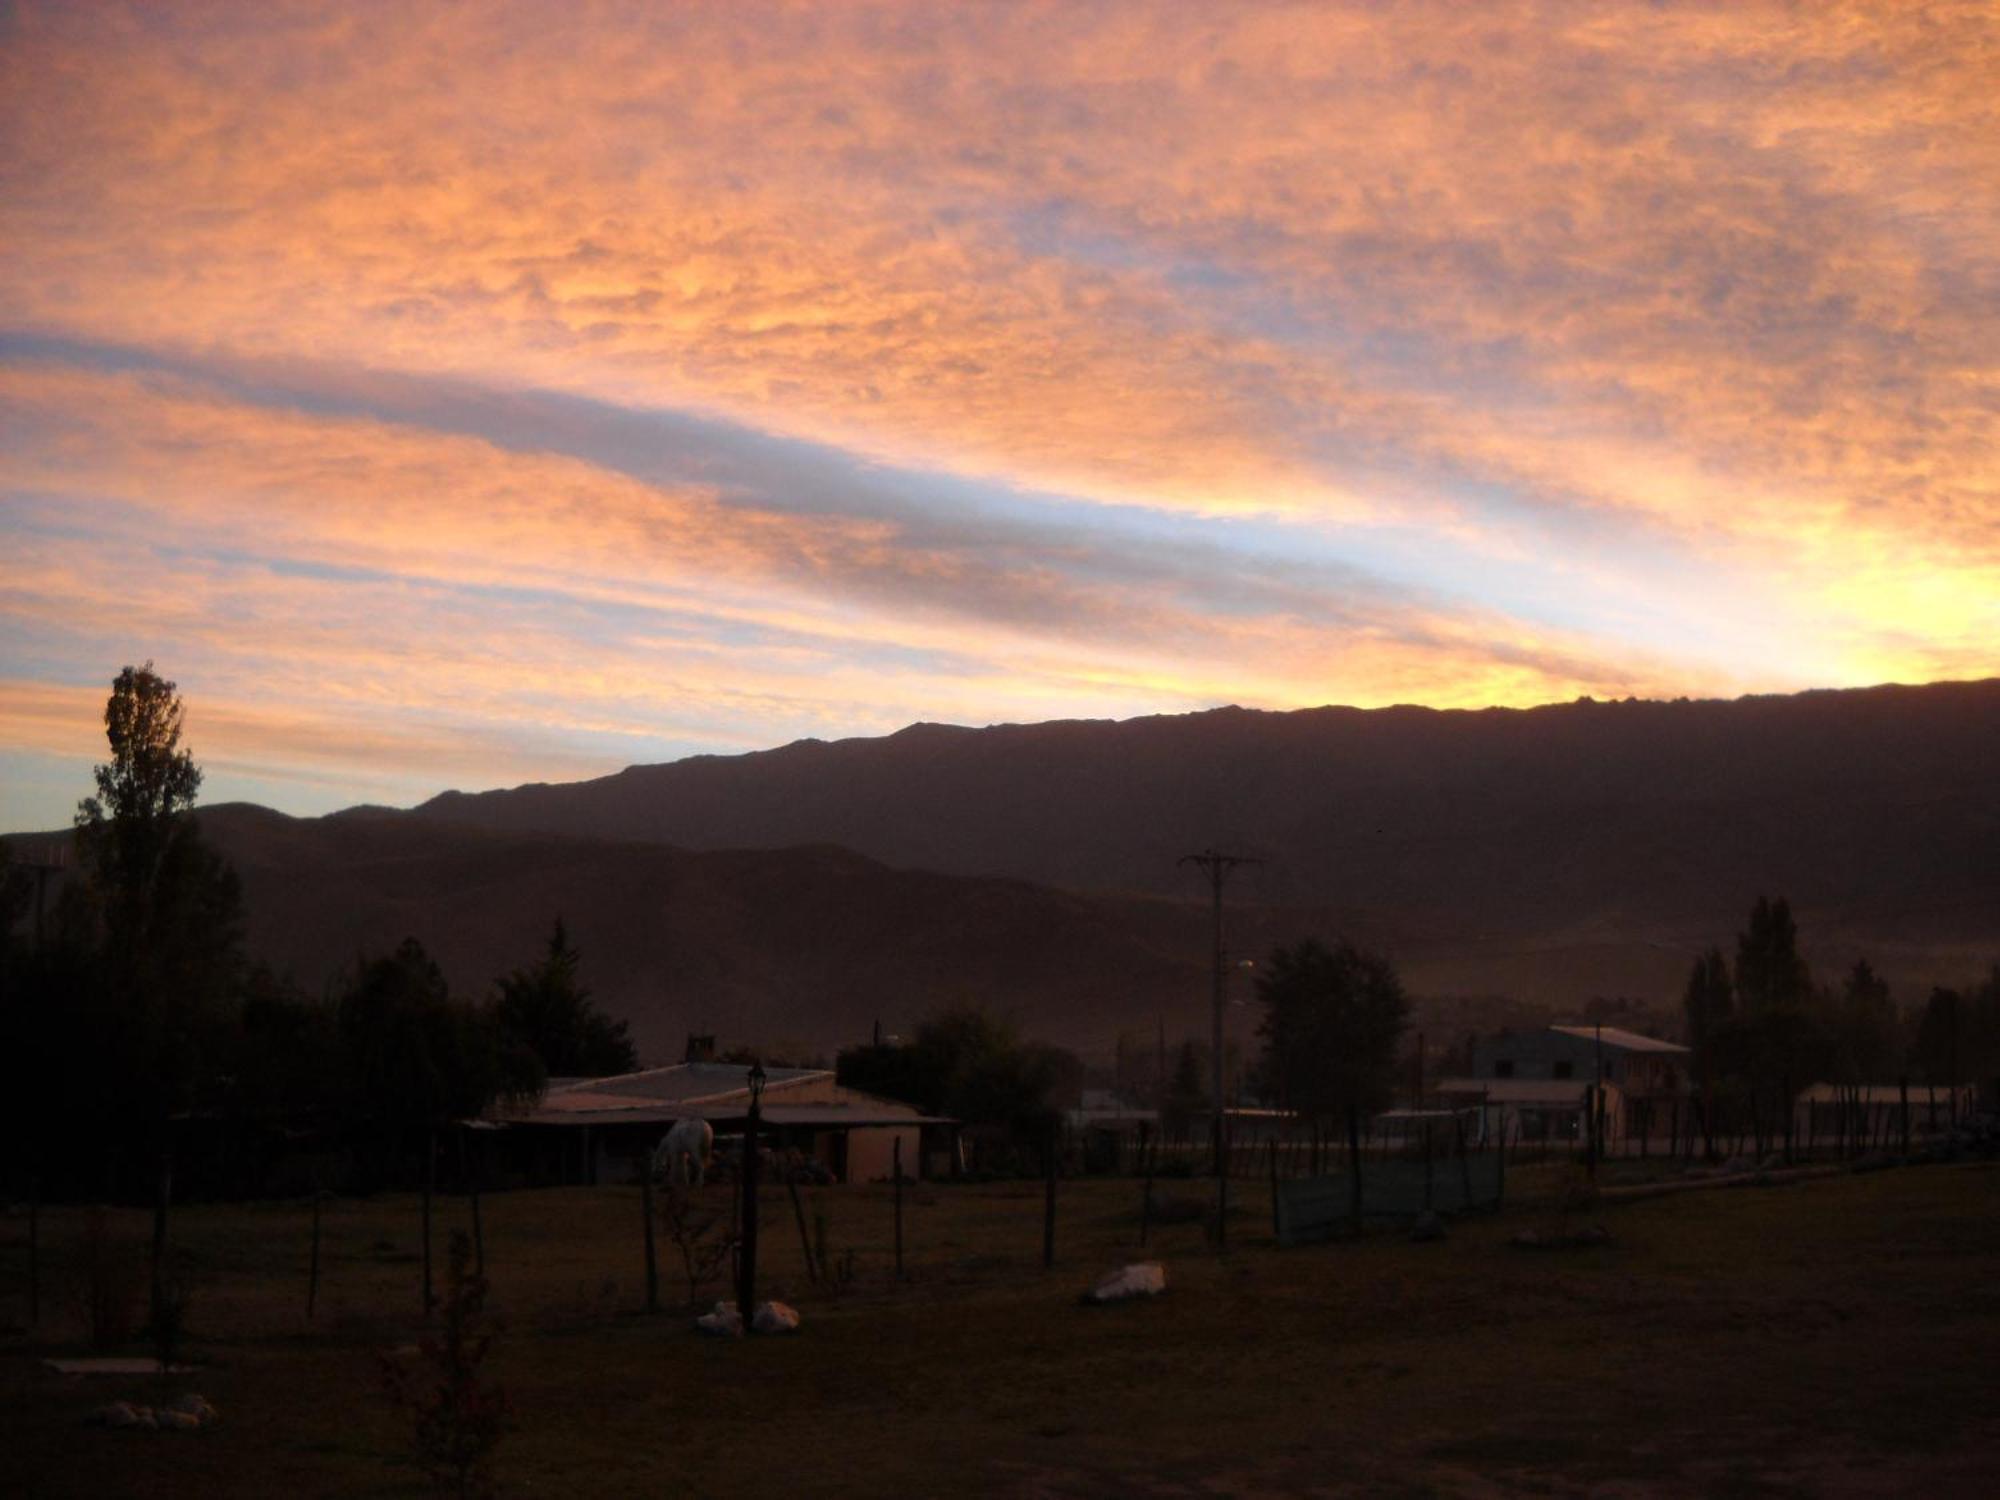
(1833, 1337)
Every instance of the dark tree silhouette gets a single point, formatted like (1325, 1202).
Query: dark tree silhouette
(1770, 973)
(1332, 1021)
(1866, 1045)
(545, 1008)
(165, 913)
(1710, 1006)
(1186, 1095)
(970, 1065)
(416, 1058)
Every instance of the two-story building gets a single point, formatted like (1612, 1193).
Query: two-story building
(1545, 1084)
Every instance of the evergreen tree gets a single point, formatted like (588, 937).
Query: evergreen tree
(1867, 1047)
(546, 1009)
(1770, 974)
(1710, 1005)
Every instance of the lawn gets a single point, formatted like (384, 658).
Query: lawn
(1832, 1337)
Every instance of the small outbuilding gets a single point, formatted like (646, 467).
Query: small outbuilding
(586, 1130)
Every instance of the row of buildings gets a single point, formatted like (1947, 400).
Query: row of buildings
(1549, 1086)
(1552, 1085)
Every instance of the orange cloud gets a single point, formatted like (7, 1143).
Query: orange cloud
(1674, 328)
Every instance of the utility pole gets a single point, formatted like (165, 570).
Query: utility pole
(1217, 867)
(53, 859)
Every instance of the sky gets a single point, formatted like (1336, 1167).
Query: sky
(462, 395)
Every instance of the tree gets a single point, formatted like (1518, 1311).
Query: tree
(415, 1057)
(456, 1416)
(1710, 1006)
(1777, 1043)
(970, 1065)
(149, 780)
(1332, 1021)
(1770, 974)
(167, 913)
(1866, 1046)
(1186, 1095)
(546, 1009)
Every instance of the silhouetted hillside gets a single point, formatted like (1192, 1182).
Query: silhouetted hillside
(1628, 824)
(809, 945)
(1550, 855)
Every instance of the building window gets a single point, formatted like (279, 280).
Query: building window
(1562, 1069)
(1503, 1067)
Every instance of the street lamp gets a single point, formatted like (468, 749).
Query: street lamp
(746, 1283)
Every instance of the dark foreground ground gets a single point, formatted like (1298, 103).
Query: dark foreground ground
(1831, 1338)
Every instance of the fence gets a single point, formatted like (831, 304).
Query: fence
(1311, 1208)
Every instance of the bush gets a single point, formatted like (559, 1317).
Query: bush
(109, 1283)
(457, 1419)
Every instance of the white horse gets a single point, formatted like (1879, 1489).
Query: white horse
(683, 1154)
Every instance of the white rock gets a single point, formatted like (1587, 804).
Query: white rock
(168, 1420)
(194, 1406)
(724, 1322)
(774, 1317)
(117, 1414)
(1145, 1279)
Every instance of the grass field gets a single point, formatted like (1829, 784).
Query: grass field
(1835, 1337)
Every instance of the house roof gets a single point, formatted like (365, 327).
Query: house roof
(1620, 1038)
(709, 1091)
(680, 1083)
(1878, 1093)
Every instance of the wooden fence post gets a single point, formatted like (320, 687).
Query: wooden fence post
(1354, 1162)
(646, 1212)
(1428, 1173)
(312, 1265)
(1146, 1195)
(896, 1170)
(34, 1249)
(799, 1214)
(1903, 1093)
(1049, 1201)
(430, 1187)
(469, 1164)
(1274, 1187)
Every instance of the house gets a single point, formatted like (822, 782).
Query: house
(605, 1129)
(1878, 1114)
(1108, 1128)
(1550, 1111)
(1540, 1083)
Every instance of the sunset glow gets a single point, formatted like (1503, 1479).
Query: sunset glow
(459, 396)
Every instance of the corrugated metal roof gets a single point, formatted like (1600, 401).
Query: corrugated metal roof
(1880, 1093)
(1619, 1037)
(684, 1082)
(805, 1116)
(709, 1091)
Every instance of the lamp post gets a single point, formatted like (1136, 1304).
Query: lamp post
(746, 1283)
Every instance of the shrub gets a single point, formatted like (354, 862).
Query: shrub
(457, 1418)
(109, 1283)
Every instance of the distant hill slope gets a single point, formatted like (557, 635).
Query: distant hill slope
(1877, 810)
(807, 946)
(1550, 855)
